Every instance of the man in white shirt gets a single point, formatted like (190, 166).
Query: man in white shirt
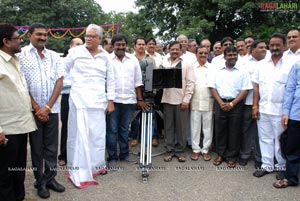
(128, 90)
(150, 50)
(229, 86)
(201, 106)
(192, 44)
(250, 134)
(293, 42)
(270, 78)
(186, 55)
(220, 60)
(44, 76)
(248, 41)
(64, 109)
(217, 48)
(106, 44)
(91, 97)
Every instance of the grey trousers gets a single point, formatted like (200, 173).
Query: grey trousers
(176, 122)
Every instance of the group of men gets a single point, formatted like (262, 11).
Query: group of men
(256, 96)
(245, 95)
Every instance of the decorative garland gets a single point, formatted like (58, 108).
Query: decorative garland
(51, 31)
(58, 37)
(77, 36)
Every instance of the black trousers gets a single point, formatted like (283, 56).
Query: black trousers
(64, 115)
(293, 152)
(13, 167)
(228, 127)
(249, 136)
(43, 143)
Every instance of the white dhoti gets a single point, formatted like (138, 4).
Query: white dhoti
(85, 145)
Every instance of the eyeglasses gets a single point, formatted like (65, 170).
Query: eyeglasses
(91, 36)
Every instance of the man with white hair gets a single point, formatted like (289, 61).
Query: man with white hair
(186, 55)
(91, 97)
(64, 108)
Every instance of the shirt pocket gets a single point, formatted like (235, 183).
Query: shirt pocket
(279, 87)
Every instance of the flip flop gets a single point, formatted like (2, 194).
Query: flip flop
(281, 183)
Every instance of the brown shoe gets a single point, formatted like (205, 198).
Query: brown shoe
(195, 156)
(218, 161)
(133, 143)
(231, 164)
(154, 142)
(206, 157)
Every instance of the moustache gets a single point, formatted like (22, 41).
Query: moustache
(274, 51)
(41, 40)
(121, 49)
(231, 60)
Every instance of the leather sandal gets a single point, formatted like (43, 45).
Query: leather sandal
(181, 159)
(281, 183)
(231, 164)
(218, 161)
(206, 157)
(195, 156)
(168, 158)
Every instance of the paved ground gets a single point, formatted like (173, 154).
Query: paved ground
(192, 180)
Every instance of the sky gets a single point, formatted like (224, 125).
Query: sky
(117, 5)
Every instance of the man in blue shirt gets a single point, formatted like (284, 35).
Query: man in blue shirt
(291, 121)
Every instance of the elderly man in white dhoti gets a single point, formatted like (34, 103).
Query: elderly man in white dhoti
(91, 96)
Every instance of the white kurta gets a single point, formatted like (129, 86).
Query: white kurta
(201, 109)
(92, 86)
(272, 81)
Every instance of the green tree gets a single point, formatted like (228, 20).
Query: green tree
(214, 18)
(133, 25)
(53, 13)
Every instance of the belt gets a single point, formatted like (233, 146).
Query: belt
(227, 99)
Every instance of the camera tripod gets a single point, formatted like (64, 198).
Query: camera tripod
(145, 155)
(146, 146)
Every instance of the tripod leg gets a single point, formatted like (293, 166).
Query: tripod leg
(143, 132)
(150, 133)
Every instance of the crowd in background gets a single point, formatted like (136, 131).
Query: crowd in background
(235, 99)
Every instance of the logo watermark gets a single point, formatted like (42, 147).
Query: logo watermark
(228, 169)
(64, 168)
(152, 169)
(21, 169)
(276, 7)
(189, 168)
